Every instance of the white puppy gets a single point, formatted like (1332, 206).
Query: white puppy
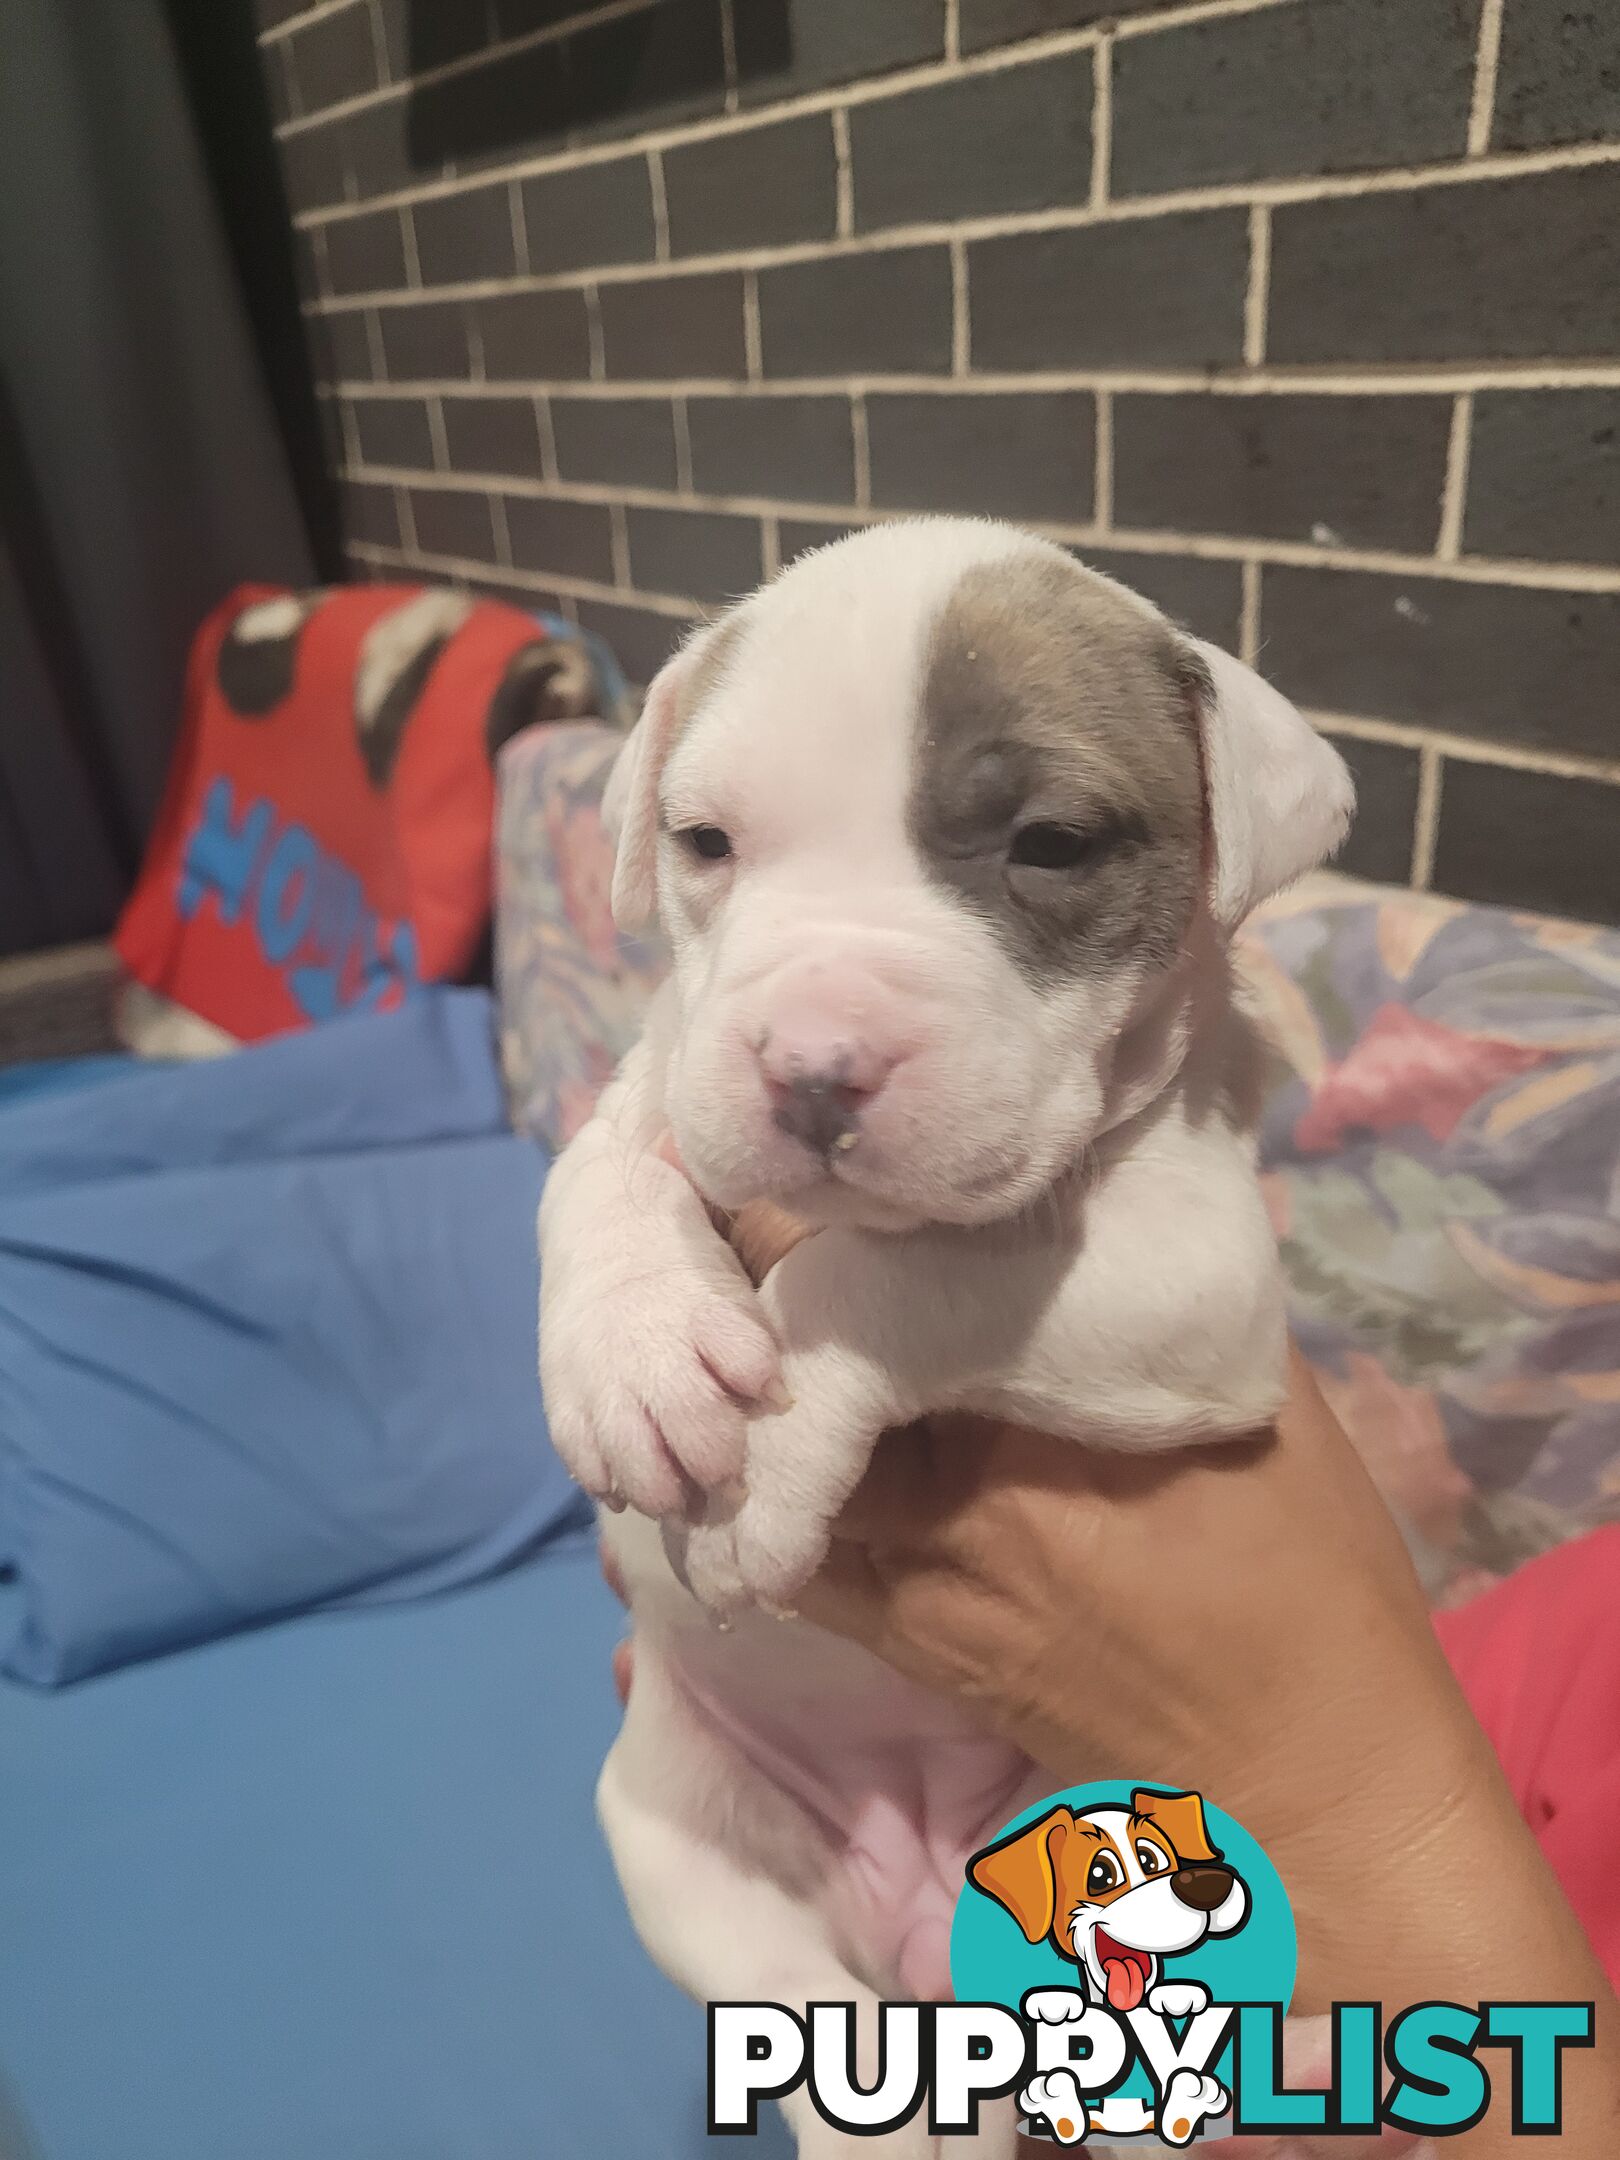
(948, 836)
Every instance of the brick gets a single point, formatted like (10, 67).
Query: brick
(1159, 292)
(425, 343)
(340, 346)
(1544, 475)
(1529, 840)
(589, 216)
(375, 143)
(694, 554)
(313, 166)
(1344, 471)
(369, 513)
(1335, 86)
(1017, 456)
(641, 640)
(1203, 597)
(669, 327)
(535, 336)
(999, 22)
(796, 536)
(1493, 662)
(570, 539)
(1382, 838)
(629, 442)
(394, 432)
(663, 64)
(887, 313)
(366, 254)
(492, 435)
(453, 521)
(790, 45)
(335, 57)
(1558, 78)
(794, 449)
(514, 105)
(1019, 139)
(1500, 269)
(428, 37)
(764, 187)
(268, 13)
(464, 236)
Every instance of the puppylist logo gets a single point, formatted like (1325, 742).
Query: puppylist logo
(1123, 1958)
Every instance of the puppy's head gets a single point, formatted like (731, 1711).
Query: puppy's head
(1117, 1889)
(930, 822)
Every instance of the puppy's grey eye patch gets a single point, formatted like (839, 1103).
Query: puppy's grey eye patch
(1046, 846)
(708, 843)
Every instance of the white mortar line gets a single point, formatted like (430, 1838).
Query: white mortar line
(349, 428)
(846, 173)
(770, 547)
(1454, 496)
(1102, 121)
(279, 32)
(503, 536)
(1441, 381)
(683, 449)
(413, 259)
(593, 326)
(520, 226)
(660, 203)
(753, 335)
(548, 440)
(961, 320)
(441, 442)
(619, 521)
(374, 344)
(863, 453)
(462, 567)
(1102, 509)
(1249, 617)
(953, 31)
(1257, 296)
(1426, 824)
(1466, 750)
(1486, 62)
(728, 52)
(379, 43)
(1209, 547)
(405, 512)
(323, 266)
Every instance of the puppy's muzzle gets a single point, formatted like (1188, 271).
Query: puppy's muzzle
(1203, 1888)
(820, 1109)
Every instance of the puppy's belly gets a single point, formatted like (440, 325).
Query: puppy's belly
(896, 1787)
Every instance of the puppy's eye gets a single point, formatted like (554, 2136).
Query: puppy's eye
(1102, 1876)
(1153, 1861)
(1049, 847)
(707, 842)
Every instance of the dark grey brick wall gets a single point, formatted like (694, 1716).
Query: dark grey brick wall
(1300, 316)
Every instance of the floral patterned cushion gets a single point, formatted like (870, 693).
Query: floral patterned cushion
(1441, 1148)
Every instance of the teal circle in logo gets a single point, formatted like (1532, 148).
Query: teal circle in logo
(992, 1959)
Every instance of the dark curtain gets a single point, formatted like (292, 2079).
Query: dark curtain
(149, 385)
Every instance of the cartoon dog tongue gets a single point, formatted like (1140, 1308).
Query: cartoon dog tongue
(1126, 1982)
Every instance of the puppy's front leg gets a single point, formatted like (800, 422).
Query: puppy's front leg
(654, 1349)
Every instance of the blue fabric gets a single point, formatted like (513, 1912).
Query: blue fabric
(267, 1339)
(333, 1891)
(51, 1076)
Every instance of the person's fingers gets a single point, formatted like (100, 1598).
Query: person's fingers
(612, 1573)
(762, 1234)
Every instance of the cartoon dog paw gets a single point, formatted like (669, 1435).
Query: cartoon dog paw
(1178, 1998)
(1189, 2102)
(1057, 2097)
(1055, 2006)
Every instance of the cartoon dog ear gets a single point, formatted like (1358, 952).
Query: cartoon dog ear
(1280, 796)
(1181, 1817)
(1021, 1872)
(630, 800)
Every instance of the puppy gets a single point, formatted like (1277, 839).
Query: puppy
(948, 836)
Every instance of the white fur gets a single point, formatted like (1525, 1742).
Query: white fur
(1044, 1220)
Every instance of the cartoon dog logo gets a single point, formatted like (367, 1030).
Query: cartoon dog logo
(1118, 1890)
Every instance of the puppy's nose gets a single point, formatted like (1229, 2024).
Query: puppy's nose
(1203, 1888)
(819, 1087)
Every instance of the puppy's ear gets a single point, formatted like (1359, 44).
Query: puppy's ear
(1021, 1872)
(1279, 796)
(630, 800)
(1181, 1817)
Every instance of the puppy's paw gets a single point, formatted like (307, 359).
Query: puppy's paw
(704, 1556)
(651, 1378)
(1054, 2006)
(1178, 1998)
(1189, 2102)
(1057, 2098)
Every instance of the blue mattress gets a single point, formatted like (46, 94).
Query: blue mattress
(335, 1891)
